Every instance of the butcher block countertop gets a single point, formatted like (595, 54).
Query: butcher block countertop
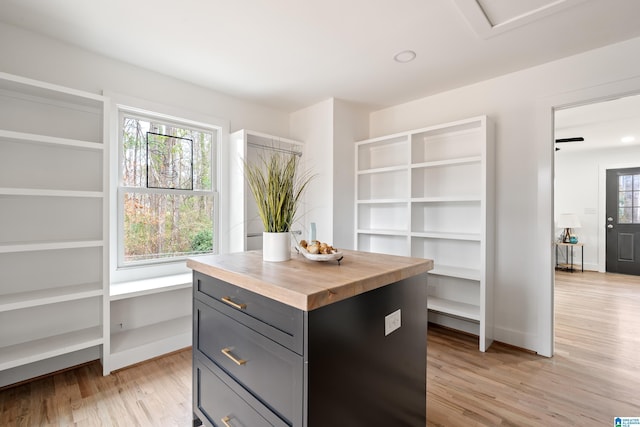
(306, 284)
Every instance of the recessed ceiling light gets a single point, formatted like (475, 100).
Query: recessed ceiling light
(405, 56)
(628, 139)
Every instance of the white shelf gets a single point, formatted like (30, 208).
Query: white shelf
(135, 345)
(30, 87)
(447, 211)
(381, 201)
(472, 237)
(459, 272)
(447, 199)
(149, 286)
(454, 308)
(56, 159)
(45, 139)
(28, 299)
(381, 232)
(383, 170)
(44, 348)
(4, 191)
(48, 246)
(450, 162)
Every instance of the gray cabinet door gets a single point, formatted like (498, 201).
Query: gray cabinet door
(273, 319)
(218, 404)
(268, 370)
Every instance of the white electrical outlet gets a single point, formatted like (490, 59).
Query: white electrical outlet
(392, 322)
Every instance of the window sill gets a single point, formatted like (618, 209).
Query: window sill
(132, 289)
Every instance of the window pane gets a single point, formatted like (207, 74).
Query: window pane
(166, 225)
(636, 182)
(625, 182)
(134, 152)
(170, 162)
(134, 155)
(202, 160)
(624, 215)
(625, 199)
(636, 215)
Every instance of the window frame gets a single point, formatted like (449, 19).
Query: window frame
(632, 192)
(120, 190)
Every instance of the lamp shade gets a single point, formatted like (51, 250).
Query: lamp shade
(568, 220)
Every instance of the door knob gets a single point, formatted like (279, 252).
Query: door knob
(610, 226)
(609, 219)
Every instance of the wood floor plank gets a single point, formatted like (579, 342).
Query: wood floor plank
(593, 377)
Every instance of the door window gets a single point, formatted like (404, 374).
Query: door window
(629, 199)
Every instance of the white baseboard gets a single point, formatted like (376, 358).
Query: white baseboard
(47, 366)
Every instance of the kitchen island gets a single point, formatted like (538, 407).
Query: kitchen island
(309, 344)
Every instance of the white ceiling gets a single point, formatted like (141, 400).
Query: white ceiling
(293, 53)
(603, 125)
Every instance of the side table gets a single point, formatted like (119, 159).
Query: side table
(569, 266)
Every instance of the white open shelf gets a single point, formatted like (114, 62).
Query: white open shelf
(450, 162)
(381, 232)
(150, 286)
(54, 295)
(429, 193)
(381, 201)
(44, 348)
(29, 87)
(46, 246)
(454, 308)
(382, 170)
(473, 237)
(459, 272)
(49, 193)
(53, 153)
(9, 135)
(447, 199)
(135, 345)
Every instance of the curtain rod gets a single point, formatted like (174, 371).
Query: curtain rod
(281, 150)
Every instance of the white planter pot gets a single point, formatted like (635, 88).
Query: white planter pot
(276, 247)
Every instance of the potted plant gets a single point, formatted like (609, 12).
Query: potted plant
(277, 187)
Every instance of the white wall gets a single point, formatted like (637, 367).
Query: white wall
(314, 126)
(329, 129)
(520, 104)
(351, 123)
(578, 190)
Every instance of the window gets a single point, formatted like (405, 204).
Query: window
(629, 199)
(166, 192)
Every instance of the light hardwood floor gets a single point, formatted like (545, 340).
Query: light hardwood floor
(593, 377)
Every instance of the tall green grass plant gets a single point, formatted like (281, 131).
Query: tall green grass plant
(277, 187)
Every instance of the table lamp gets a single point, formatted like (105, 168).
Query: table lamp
(568, 221)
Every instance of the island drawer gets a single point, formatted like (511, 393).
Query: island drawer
(268, 370)
(280, 322)
(217, 403)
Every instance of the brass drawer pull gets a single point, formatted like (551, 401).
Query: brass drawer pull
(234, 304)
(225, 421)
(227, 352)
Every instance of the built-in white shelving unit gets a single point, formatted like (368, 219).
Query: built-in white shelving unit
(429, 193)
(247, 145)
(147, 332)
(53, 228)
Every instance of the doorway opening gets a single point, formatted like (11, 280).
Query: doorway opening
(591, 141)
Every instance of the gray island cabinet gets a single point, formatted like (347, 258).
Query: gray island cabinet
(309, 344)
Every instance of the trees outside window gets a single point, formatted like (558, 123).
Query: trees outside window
(167, 190)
